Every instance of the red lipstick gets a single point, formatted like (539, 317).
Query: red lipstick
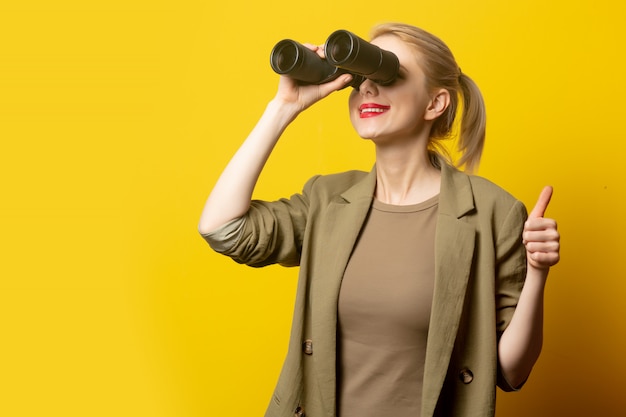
(367, 110)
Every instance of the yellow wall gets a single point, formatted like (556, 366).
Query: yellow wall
(117, 116)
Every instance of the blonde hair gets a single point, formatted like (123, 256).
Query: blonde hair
(442, 71)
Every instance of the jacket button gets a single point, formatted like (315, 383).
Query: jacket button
(466, 376)
(299, 412)
(307, 347)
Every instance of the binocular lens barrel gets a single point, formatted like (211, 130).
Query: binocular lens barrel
(284, 57)
(300, 63)
(346, 50)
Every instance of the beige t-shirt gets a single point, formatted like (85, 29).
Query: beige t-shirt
(384, 311)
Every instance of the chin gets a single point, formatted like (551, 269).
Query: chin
(366, 135)
(365, 132)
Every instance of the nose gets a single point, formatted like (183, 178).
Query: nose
(368, 87)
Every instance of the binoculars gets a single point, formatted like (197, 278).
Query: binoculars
(345, 53)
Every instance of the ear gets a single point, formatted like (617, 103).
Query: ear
(438, 104)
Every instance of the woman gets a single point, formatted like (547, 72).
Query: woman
(420, 287)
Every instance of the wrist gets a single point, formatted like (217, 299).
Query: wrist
(536, 274)
(284, 112)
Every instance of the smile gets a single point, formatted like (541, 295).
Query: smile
(372, 110)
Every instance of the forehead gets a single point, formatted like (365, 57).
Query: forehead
(405, 53)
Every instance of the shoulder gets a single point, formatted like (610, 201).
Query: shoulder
(498, 203)
(473, 193)
(488, 191)
(335, 184)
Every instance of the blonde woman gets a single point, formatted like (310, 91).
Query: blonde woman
(420, 286)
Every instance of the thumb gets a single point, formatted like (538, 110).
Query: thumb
(542, 202)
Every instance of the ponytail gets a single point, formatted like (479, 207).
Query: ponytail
(473, 123)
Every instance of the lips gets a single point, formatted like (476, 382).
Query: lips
(367, 110)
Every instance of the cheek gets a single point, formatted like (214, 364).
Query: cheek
(353, 106)
(354, 94)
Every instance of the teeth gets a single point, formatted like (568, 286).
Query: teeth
(372, 110)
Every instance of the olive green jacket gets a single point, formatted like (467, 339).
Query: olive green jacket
(480, 267)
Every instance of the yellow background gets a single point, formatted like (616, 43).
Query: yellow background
(116, 118)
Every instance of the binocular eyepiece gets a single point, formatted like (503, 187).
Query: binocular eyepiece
(345, 53)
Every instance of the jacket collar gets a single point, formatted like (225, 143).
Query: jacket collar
(456, 198)
(364, 189)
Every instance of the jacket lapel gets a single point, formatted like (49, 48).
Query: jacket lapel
(454, 253)
(342, 224)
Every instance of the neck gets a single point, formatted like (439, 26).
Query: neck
(405, 176)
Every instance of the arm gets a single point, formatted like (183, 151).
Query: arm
(231, 195)
(520, 344)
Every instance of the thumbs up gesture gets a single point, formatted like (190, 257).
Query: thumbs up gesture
(540, 235)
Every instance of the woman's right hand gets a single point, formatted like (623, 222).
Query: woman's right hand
(299, 97)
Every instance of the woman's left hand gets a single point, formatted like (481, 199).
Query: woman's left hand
(540, 236)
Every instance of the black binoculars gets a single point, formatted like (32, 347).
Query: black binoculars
(345, 53)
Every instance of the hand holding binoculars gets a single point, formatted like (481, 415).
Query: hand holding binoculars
(345, 53)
